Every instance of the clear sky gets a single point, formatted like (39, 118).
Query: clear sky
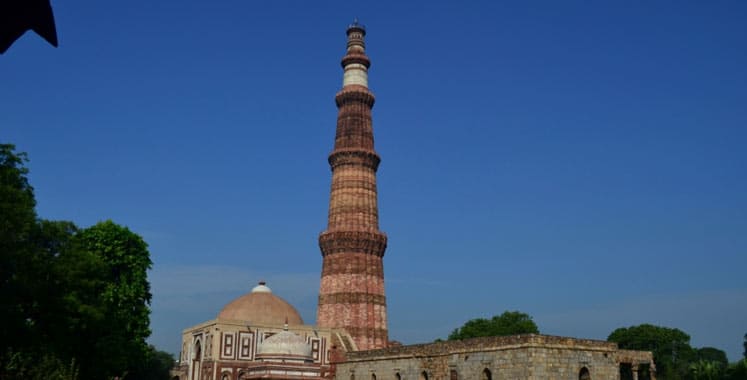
(583, 162)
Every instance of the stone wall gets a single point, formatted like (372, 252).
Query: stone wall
(530, 357)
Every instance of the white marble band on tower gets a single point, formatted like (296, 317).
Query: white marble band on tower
(355, 63)
(355, 73)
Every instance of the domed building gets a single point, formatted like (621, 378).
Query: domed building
(262, 307)
(259, 336)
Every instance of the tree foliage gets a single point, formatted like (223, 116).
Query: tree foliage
(706, 370)
(737, 371)
(670, 346)
(712, 354)
(17, 223)
(17, 214)
(74, 302)
(709, 364)
(675, 358)
(156, 366)
(119, 311)
(508, 323)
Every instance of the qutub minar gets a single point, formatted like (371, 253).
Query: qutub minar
(351, 295)
(261, 336)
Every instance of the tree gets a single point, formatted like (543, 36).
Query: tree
(114, 341)
(157, 366)
(17, 222)
(712, 354)
(744, 344)
(30, 304)
(50, 328)
(17, 214)
(73, 303)
(670, 346)
(706, 370)
(508, 323)
(737, 371)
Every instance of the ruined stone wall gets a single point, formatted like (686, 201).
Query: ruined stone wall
(530, 357)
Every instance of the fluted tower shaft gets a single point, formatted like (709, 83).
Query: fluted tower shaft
(351, 294)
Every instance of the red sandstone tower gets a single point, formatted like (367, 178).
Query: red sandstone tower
(351, 294)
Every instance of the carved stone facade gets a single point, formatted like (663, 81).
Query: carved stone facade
(232, 350)
(525, 357)
(351, 294)
(258, 343)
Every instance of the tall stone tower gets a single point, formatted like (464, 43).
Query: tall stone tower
(351, 294)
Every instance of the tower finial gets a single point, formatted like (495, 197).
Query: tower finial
(357, 25)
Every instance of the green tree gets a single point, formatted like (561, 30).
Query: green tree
(744, 344)
(706, 370)
(157, 366)
(47, 313)
(737, 371)
(17, 223)
(17, 214)
(73, 303)
(47, 367)
(670, 346)
(30, 305)
(712, 354)
(118, 312)
(508, 323)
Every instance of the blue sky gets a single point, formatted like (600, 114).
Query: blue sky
(581, 162)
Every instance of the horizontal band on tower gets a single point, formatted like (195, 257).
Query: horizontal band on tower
(354, 184)
(359, 209)
(344, 264)
(367, 332)
(372, 243)
(352, 298)
(365, 158)
(355, 58)
(354, 94)
(355, 116)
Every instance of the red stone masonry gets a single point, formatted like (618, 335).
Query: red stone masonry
(351, 294)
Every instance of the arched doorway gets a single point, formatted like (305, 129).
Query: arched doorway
(196, 361)
(423, 375)
(583, 374)
(486, 375)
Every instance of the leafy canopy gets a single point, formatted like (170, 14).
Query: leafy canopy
(17, 254)
(712, 355)
(115, 300)
(670, 346)
(74, 302)
(508, 323)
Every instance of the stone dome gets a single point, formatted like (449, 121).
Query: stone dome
(284, 343)
(261, 307)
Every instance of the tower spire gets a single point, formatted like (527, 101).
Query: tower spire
(351, 294)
